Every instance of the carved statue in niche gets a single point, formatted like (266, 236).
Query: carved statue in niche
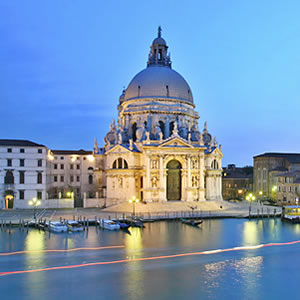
(154, 181)
(154, 164)
(194, 163)
(120, 179)
(195, 181)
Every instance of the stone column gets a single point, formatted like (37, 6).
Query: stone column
(189, 171)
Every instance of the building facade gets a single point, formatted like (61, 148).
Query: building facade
(267, 167)
(23, 173)
(236, 182)
(288, 188)
(71, 175)
(156, 151)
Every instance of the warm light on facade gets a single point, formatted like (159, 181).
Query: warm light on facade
(73, 158)
(91, 158)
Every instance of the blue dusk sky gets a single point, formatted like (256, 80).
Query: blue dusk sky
(64, 63)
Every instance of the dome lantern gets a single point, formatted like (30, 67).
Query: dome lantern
(159, 52)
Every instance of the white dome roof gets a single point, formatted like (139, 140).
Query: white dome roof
(159, 82)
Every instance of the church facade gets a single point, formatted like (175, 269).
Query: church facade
(155, 151)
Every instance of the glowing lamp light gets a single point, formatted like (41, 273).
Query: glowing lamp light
(260, 193)
(133, 200)
(34, 203)
(274, 188)
(91, 158)
(240, 191)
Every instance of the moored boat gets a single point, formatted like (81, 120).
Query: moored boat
(74, 226)
(108, 224)
(291, 213)
(191, 222)
(137, 223)
(58, 227)
(123, 225)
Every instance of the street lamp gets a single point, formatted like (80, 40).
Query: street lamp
(250, 198)
(35, 203)
(133, 200)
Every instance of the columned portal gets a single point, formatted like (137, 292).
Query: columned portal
(174, 180)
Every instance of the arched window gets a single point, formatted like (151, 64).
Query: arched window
(9, 178)
(39, 178)
(90, 168)
(115, 164)
(120, 163)
(214, 165)
(90, 179)
(125, 165)
(134, 131)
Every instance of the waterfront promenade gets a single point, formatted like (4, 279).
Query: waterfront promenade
(150, 211)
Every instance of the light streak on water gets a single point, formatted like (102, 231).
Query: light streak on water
(209, 252)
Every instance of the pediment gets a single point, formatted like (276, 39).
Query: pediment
(117, 149)
(175, 142)
(218, 152)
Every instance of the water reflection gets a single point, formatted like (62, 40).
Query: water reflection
(134, 277)
(240, 274)
(34, 242)
(251, 232)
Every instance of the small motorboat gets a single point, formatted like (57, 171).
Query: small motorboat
(74, 226)
(123, 225)
(58, 227)
(137, 223)
(108, 224)
(191, 222)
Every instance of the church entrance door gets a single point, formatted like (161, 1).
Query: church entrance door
(174, 180)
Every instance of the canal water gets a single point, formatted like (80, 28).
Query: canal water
(239, 273)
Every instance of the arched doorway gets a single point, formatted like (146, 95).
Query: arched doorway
(9, 199)
(174, 180)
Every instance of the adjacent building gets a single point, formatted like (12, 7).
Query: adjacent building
(288, 188)
(71, 175)
(268, 167)
(237, 182)
(23, 172)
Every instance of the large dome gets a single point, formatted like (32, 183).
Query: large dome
(158, 81)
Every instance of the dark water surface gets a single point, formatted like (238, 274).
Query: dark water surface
(268, 272)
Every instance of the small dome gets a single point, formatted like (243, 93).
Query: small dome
(159, 82)
(159, 41)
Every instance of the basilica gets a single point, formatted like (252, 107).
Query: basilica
(155, 151)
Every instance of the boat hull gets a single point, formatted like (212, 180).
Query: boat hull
(55, 228)
(108, 224)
